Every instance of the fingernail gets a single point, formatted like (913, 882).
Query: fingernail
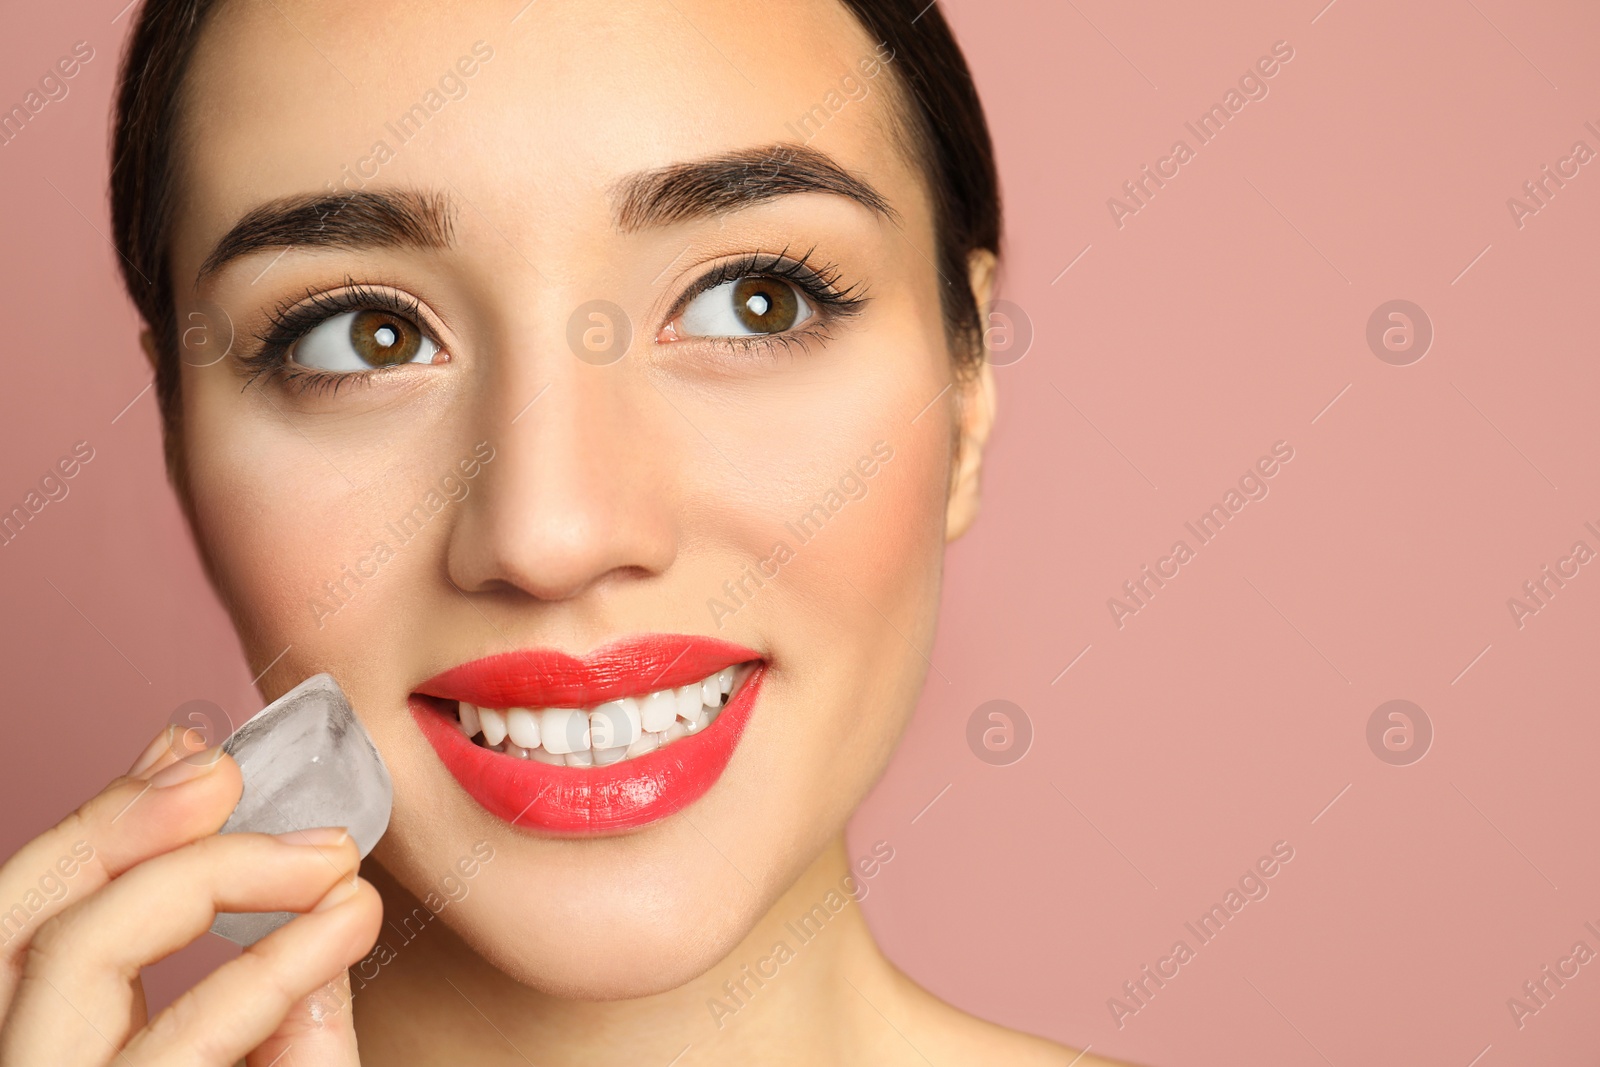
(153, 752)
(321, 836)
(340, 893)
(188, 769)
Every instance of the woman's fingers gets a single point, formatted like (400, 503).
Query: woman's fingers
(80, 973)
(176, 798)
(319, 1031)
(244, 1003)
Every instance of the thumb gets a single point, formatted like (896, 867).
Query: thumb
(319, 1031)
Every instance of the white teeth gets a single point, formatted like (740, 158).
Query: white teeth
(601, 736)
(646, 743)
(657, 710)
(494, 725)
(614, 724)
(523, 727)
(688, 702)
(564, 730)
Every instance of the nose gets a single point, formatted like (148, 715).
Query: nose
(580, 491)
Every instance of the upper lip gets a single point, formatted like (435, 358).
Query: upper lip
(630, 666)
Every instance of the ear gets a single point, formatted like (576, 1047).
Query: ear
(975, 407)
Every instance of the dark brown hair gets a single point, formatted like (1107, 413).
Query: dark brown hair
(945, 120)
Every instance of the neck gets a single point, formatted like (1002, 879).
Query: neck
(803, 986)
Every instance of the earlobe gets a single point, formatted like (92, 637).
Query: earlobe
(975, 407)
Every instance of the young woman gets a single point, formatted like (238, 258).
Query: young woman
(591, 388)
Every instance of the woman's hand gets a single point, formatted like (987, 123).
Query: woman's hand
(137, 873)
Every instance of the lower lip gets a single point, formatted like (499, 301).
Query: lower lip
(591, 800)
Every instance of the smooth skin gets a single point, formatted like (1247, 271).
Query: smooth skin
(620, 500)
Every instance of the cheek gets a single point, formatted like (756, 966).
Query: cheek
(875, 559)
(856, 614)
(297, 524)
(850, 614)
(810, 521)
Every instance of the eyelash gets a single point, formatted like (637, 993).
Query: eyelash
(820, 284)
(291, 321)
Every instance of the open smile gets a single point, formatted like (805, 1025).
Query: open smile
(619, 738)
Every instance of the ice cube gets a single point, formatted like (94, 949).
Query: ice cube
(306, 762)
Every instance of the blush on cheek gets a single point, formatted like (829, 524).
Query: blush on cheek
(894, 550)
(869, 538)
(850, 618)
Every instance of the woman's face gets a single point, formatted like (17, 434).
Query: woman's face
(457, 464)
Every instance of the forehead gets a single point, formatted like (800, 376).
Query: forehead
(555, 99)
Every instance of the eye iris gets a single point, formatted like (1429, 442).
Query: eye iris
(384, 340)
(765, 305)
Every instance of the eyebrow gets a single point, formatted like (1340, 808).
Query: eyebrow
(681, 192)
(393, 218)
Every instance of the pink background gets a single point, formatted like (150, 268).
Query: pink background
(1224, 316)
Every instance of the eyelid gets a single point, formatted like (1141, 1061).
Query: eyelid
(820, 284)
(292, 320)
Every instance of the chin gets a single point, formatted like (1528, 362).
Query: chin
(625, 945)
(615, 918)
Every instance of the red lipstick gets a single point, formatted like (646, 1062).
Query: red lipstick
(587, 800)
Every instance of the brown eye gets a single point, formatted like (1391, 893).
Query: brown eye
(384, 339)
(362, 341)
(765, 305)
(752, 306)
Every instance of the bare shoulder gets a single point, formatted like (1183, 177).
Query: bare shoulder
(960, 1038)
